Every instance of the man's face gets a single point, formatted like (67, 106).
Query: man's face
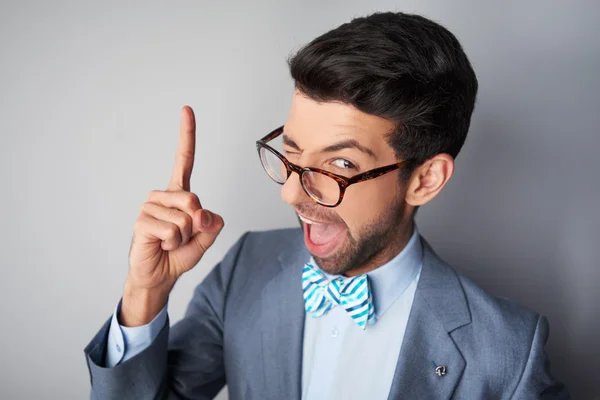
(370, 225)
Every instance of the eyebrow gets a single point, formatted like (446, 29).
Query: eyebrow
(345, 144)
(349, 144)
(289, 142)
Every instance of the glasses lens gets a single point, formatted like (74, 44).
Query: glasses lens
(273, 165)
(321, 187)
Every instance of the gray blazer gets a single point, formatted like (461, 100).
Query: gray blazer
(244, 328)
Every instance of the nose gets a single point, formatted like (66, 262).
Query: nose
(292, 191)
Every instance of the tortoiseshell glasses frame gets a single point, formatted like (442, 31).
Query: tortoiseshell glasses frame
(342, 181)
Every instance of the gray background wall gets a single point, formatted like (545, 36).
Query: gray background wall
(89, 106)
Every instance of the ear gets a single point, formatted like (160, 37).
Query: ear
(429, 179)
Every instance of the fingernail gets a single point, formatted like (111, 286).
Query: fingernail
(206, 218)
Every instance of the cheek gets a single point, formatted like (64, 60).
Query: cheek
(366, 202)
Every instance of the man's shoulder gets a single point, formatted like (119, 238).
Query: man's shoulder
(497, 324)
(481, 303)
(500, 340)
(494, 313)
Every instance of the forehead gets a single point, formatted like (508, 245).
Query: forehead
(313, 124)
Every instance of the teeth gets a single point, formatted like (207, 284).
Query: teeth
(307, 220)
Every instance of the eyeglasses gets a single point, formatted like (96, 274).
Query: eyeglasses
(324, 187)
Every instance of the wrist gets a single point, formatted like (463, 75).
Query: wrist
(141, 305)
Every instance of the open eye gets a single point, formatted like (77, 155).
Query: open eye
(343, 164)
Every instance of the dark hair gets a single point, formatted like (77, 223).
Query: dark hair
(401, 67)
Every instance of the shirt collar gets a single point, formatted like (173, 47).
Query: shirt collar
(389, 281)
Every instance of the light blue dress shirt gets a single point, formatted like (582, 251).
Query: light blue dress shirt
(125, 343)
(340, 360)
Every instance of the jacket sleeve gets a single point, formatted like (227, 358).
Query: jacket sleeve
(537, 381)
(184, 361)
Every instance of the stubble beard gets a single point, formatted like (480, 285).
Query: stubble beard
(373, 240)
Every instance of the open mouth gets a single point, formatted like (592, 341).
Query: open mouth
(322, 238)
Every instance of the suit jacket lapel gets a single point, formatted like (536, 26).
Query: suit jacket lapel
(439, 308)
(282, 321)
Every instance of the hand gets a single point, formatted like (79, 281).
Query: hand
(171, 235)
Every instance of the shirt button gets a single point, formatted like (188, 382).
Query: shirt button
(334, 332)
(118, 348)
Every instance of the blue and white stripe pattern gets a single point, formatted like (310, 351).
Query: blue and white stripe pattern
(353, 294)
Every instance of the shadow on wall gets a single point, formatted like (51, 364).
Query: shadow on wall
(515, 221)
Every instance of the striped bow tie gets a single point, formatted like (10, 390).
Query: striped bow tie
(353, 294)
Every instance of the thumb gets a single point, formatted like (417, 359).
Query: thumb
(207, 226)
(203, 236)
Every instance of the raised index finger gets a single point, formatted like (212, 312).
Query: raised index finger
(184, 158)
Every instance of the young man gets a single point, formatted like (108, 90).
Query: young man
(355, 305)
